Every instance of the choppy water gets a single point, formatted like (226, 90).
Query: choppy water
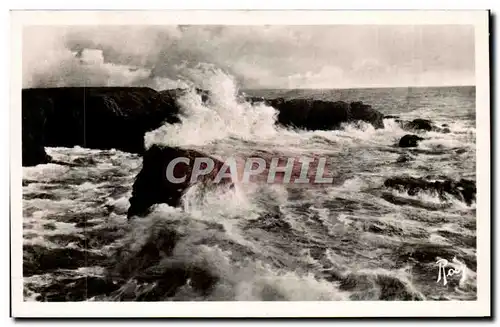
(261, 241)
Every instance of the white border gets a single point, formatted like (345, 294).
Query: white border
(481, 307)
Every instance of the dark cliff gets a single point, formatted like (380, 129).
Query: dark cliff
(118, 117)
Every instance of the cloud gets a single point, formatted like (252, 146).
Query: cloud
(333, 56)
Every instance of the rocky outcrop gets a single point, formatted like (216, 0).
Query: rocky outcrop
(34, 112)
(152, 186)
(323, 115)
(463, 190)
(409, 141)
(419, 124)
(404, 158)
(92, 117)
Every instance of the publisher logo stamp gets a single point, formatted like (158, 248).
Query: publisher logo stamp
(447, 269)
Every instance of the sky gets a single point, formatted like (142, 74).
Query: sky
(271, 56)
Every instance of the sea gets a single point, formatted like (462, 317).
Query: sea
(259, 241)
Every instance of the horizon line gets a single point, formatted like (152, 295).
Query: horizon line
(362, 87)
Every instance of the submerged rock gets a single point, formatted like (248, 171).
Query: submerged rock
(409, 141)
(152, 185)
(463, 190)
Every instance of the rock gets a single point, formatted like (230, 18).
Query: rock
(460, 151)
(323, 115)
(409, 141)
(425, 253)
(391, 117)
(92, 117)
(463, 190)
(118, 117)
(419, 124)
(404, 158)
(34, 111)
(152, 185)
(445, 130)
(76, 289)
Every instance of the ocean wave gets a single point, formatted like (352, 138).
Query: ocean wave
(223, 115)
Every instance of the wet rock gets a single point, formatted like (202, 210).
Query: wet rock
(460, 151)
(76, 289)
(445, 130)
(409, 141)
(39, 260)
(391, 117)
(405, 158)
(323, 115)
(152, 185)
(463, 190)
(413, 202)
(392, 289)
(376, 287)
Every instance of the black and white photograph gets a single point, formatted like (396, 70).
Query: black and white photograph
(187, 161)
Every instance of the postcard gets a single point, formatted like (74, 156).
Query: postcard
(250, 164)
